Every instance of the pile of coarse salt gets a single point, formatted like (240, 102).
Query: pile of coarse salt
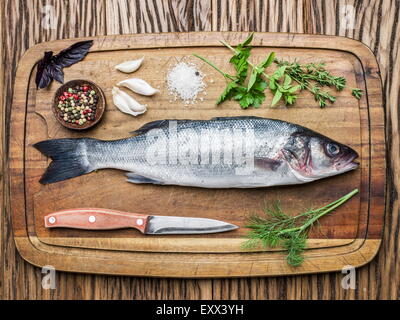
(185, 82)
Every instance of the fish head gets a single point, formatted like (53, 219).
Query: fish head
(312, 156)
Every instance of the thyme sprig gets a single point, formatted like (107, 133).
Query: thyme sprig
(313, 76)
(312, 72)
(276, 228)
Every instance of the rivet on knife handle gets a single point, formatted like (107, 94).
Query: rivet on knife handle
(96, 219)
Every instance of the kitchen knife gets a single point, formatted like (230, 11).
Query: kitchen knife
(105, 219)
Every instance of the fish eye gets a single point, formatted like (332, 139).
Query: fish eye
(332, 149)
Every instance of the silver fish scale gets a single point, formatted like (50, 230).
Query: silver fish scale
(210, 153)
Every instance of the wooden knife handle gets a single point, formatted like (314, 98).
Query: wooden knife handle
(96, 219)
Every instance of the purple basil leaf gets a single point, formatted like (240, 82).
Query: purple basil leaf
(72, 54)
(56, 72)
(43, 74)
(50, 67)
(45, 78)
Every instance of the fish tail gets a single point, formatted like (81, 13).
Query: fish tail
(69, 158)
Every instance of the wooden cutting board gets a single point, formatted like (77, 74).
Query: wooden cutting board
(349, 236)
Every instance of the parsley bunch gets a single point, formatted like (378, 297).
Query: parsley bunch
(247, 94)
(283, 89)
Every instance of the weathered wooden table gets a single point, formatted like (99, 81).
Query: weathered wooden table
(374, 22)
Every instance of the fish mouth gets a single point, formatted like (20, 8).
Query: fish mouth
(347, 163)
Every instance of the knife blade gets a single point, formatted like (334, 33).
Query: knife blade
(106, 219)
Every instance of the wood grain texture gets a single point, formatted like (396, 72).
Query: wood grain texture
(375, 24)
(3, 160)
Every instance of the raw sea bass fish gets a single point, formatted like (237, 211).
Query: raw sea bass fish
(236, 152)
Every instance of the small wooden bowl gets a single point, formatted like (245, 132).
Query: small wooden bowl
(100, 107)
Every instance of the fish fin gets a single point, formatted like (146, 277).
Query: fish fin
(69, 160)
(151, 125)
(136, 178)
(164, 123)
(236, 118)
(267, 163)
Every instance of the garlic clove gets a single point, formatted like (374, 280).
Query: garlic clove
(125, 103)
(129, 66)
(139, 86)
(119, 101)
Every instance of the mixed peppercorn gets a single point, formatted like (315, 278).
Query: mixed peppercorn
(78, 104)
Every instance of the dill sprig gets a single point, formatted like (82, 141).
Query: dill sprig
(276, 228)
(357, 93)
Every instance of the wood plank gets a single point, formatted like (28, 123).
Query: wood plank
(262, 16)
(12, 51)
(2, 160)
(379, 279)
(124, 17)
